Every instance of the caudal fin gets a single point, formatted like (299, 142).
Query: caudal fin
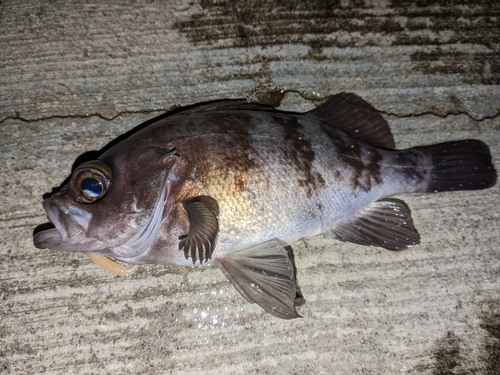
(460, 165)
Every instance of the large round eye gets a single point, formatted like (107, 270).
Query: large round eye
(90, 181)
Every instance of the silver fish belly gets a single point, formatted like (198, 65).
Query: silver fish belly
(234, 183)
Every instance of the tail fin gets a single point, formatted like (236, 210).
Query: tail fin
(460, 165)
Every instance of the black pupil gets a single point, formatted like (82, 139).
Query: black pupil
(91, 187)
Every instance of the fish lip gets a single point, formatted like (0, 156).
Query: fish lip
(47, 239)
(53, 214)
(51, 237)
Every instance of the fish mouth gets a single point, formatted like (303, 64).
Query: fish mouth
(44, 238)
(50, 235)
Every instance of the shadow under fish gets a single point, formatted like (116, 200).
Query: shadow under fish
(235, 183)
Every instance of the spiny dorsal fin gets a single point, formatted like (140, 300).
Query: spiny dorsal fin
(263, 274)
(385, 223)
(202, 214)
(223, 105)
(355, 116)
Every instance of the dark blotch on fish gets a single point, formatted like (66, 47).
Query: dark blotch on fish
(300, 154)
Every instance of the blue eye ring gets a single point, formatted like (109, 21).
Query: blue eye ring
(91, 181)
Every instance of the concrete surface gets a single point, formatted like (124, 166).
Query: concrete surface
(75, 76)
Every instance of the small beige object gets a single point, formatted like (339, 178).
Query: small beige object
(112, 266)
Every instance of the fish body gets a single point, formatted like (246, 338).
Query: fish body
(234, 183)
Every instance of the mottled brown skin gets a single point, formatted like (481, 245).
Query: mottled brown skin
(300, 153)
(253, 162)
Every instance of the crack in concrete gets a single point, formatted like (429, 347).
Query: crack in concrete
(146, 111)
(88, 115)
(430, 113)
(411, 115)
(282, 93)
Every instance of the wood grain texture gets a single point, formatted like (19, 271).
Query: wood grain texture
(75, 76)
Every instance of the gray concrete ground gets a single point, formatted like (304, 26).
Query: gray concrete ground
(75, 76)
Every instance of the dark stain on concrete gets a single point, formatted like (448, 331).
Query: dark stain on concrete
(450, 353)
(248, 23)
(474, 66)
(450, 28)
(447, 355)
(490, 322)
(268, 22)
(435, 31)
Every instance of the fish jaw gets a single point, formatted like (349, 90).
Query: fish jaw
(52, 239)
(67, 235)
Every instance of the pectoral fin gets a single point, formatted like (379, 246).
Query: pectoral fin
(385, 223)
(202, 214)
(263, 274)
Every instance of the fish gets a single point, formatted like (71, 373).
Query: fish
(235, 184)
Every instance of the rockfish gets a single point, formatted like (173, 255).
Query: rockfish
(234, 183)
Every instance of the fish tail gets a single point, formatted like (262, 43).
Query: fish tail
(460, 165)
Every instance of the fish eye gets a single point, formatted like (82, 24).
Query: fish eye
(92, 187)
(90, 181)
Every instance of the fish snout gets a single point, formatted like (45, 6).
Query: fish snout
(56, 232)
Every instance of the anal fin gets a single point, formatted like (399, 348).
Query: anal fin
(385, 223)
(263, 274)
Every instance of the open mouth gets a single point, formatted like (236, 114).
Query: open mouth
(48, 235)
(43, 238)
(43, 227)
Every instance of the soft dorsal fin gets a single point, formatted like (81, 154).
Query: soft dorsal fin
(385, 223)
(202, 214)
(355, 116)
(263, 274)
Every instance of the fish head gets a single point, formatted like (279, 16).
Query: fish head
(111, 206)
